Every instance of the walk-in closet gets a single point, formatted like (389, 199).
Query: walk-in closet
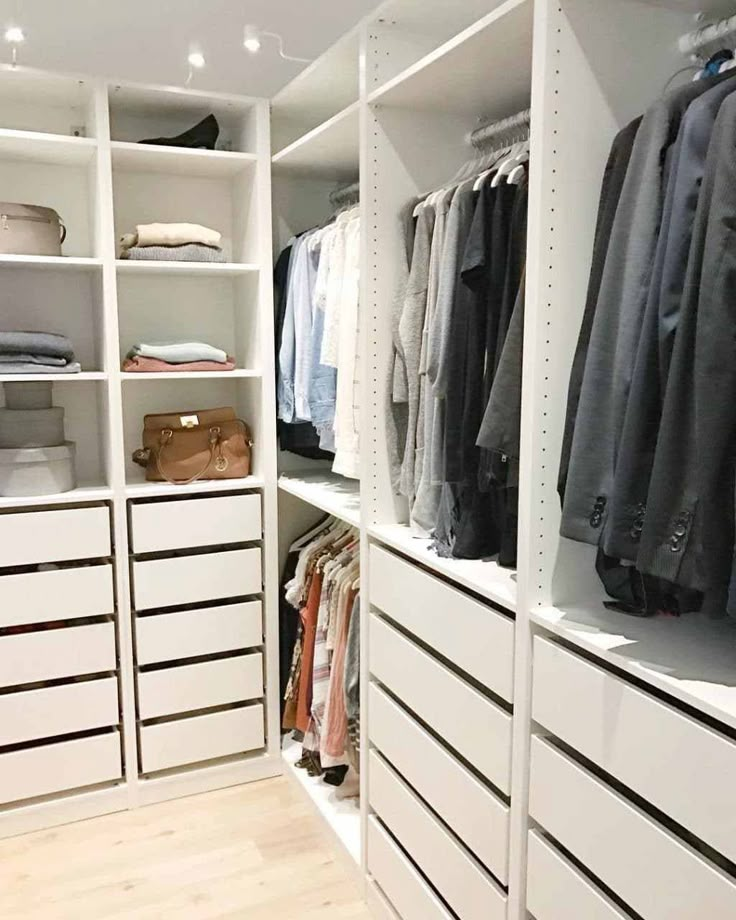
(366, 465)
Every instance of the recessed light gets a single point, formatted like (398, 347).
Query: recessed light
(14, 35)
(251, 39)
(196, 59)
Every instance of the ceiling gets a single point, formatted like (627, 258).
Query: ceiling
(148, 41)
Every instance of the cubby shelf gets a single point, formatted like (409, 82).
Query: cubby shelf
(53, 378)
(179, 161)
(221, 269)
(330, 150)
(325, 490)
(83, 493)
(51, 263)
(238, 373)
(151, 489)
(58, 149)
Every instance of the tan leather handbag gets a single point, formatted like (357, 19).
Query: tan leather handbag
(182, 447)
(28, 230)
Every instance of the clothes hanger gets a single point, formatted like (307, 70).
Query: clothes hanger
(510, 163)
(322, 527)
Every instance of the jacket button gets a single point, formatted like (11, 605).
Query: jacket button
(595, 519)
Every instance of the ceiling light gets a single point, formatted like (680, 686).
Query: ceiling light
(196, 59)
(14, 35)
(251, 39)
(252, 36)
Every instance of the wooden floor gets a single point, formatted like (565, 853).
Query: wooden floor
(254, 852)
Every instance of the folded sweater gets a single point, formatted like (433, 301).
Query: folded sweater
(142, 365)
(36, 343)
(189, 252)
(178, 352)
(25, 367)
(172, 235)
(46, 360)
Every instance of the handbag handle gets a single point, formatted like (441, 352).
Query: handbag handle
(166, 435)
(62, 228)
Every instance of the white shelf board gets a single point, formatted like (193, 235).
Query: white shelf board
(342, 816)
(57, 149)
(325, 490)
(692, 657)
(484, 71)
(51, 263)
(151, 489)
(53, 378)
(179, 161)
(483, 576)
(138, 266)
(238, 374)
(330, 150)
(83, 493)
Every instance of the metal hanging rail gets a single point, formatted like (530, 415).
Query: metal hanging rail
(701, 38)
(481, 136)
(345, 194)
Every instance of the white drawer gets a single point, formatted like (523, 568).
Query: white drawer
(461, 881)
(188, 522)
(478, 817)
(54, 536)
(57, 767)
(479, 730)
(556, 890)
(651, 870)
(51, 711)
(189, 633)
(198, 686)
(399, 880)
(473, 636)
(63, 594)
(56, 653)
(193, 579)
(185, 741)
(649, 746)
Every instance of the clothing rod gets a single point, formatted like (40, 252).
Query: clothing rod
(341, 195)
(487, 132)
(718, 31)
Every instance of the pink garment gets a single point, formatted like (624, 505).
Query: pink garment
(141, 365)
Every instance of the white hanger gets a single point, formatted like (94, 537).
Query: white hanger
(518, 152)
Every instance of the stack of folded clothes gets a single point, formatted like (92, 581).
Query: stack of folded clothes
(172, 242)
(36, 353)
(176, 356)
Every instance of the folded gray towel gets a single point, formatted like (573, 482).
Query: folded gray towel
(189, 252)
(23, 367)
(178, 352)
(36, 343)
(46, 360)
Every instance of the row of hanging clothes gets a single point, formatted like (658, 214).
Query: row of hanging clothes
(455, 378)
(316, 282)
(320, 651)
(647, 468)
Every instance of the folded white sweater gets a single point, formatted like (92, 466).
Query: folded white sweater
(171, 235)
(179, 352)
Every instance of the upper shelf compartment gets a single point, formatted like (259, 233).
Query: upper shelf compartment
(48, 104)
(139, 112)
(326, 88)
(484, 71)
(327, 151)
(179, 161)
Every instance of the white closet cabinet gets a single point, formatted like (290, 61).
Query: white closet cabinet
(138, 647)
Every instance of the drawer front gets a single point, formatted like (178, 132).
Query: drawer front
(649, 746)
(57, 767)
(57, 653)
(445, 618)
(185, 741)
(54, 536)
(478, 729)
(199, 686)
(660, 877)
(158, 526)
(192, 579)
(556, 890)
(461, 881)
(50, 711)
(478, 817)
(64, 594)
(399, 880)
(189, 633)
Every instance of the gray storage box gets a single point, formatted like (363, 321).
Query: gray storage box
(37, 471)
(34, 394)
(31, 427)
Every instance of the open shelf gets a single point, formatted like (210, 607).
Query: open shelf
(51, 263)
(692, 657)
(150, 489)
(323, 489)
(329, 150)
(238, 373)
(83, 493)
(58, 149)
(342, 816)
(179, 161)
(53, 378)
(495, 52)
(483, 576)
(138, 266)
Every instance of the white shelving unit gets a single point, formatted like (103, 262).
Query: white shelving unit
(327, 491)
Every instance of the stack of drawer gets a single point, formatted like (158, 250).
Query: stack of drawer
(198, 630)
(53, 629)
(677, 766)
(440, 734)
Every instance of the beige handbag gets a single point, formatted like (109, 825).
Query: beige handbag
(28, 230)
(183, 447)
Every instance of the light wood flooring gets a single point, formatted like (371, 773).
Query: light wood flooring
(254, 852)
